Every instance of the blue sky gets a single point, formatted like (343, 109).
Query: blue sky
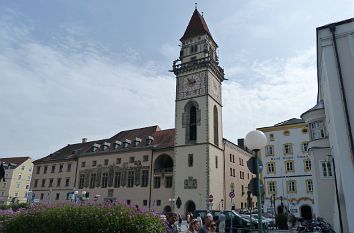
(73, 69)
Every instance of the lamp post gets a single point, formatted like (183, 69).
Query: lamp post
(172, 201)
(255, 140)
(330, 160)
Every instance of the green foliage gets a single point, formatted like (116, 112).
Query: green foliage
(85, 218)
(281, 221)
(14, 206)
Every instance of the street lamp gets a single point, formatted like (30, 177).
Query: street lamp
(172, 201)
(255, 140)
(330, 160)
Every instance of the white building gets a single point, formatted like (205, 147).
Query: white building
(333, 117)
(287, 173)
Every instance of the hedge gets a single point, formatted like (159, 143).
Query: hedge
(84, 218)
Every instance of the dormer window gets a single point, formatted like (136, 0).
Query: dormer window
(117, 144)
(149, 140)
(126, 143)
(194, 48)
(137, 141)
(105, 145)
(95, 147)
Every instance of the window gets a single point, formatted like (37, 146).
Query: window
(35, 183)
(53, 169)
(18, 185)
(61, 167)
(304, 146)
(128, 202)
(158, 202)
(145, 158)
(130, 179)
(27, 186)
(51, 182)
(289, 166)
(67, 181)
(104, 180)
(57, 196)
(105, 162)
(291, 186)
(145, 202)
(94, 163)
(286, 133)
(23, 168)
(317, 130)
(230, 157)
(230, 171)
(216, 161)
(93, 181)
(58, 182)
(269, 150)
(326, 167)
(81, 181)
(42, 196)
(83, 164)
(233, 158)
(216, 126)
(304, 130)
(168, 181)
(69, 167)
(271, 137)
(145, 178)
(110, 192)
(117, 179)
(131, 159)
(288, 148)
(38, 169)
(190, 160)
(242, 175)
(45, 169)
(271, 167)
(272, 187)
(307, 165)
(157, 181)
(118, 161)
(309, 186)
(43, 182)
(19, 176)
(193, 124)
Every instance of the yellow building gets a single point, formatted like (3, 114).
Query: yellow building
(18, 173)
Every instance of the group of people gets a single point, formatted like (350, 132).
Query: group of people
(195, 225)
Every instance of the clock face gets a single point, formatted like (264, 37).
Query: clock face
(191, 85)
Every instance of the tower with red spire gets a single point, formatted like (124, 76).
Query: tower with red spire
(199, 134)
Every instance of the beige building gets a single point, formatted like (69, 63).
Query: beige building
(178, 169)
(18, 173)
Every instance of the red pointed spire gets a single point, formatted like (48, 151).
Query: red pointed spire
(197, 26)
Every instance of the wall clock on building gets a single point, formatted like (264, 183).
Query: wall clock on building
(192, 85)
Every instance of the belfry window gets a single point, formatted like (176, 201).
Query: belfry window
(193, 124)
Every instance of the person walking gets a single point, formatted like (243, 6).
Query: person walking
(194, 226)
(170, 223)
(179, 222)
(212, 227)
(222, 224)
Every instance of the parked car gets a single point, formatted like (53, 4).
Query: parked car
(233, 220)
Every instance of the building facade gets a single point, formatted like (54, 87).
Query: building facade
(287, 169)
(18, 175)
(333, 117)
(178, 169)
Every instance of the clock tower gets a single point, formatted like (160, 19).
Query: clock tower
(199, 159)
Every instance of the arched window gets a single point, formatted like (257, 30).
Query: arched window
(216, 126)
(193, 124)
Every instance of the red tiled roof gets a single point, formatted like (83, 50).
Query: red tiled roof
(14, 160)
(197, 26)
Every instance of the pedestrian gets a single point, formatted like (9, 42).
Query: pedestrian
(222, 224)
(207, 221)
(212, 227)
(194, 226)
(170, 223)
(189, 217)
(179, 222)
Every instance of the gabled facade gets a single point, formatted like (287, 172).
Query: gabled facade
(18, 175)
(287, 169)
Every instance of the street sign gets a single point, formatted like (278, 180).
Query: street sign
(251, 164)
(231, 194)
(211, 198)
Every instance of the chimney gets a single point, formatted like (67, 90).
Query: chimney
(241, 143)
(84, 140)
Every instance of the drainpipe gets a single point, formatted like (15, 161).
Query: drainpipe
(332, 28)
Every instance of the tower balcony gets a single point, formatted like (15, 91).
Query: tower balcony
(205, 62)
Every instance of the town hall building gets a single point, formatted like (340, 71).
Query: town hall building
(188, 167)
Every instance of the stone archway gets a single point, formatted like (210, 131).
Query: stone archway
(306, 212)
(190, 206)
